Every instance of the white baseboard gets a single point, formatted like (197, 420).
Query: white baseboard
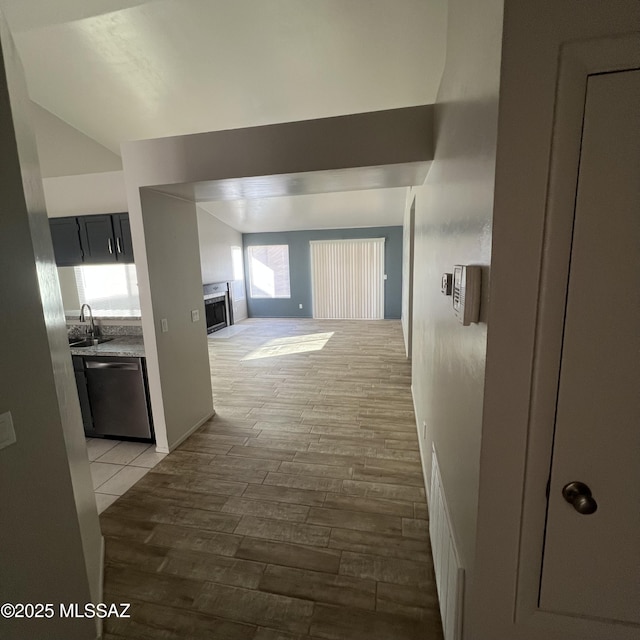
(191, 431)
(99, 621)
(421, 447)
(446, 559)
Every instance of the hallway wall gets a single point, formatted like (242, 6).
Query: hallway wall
(453, 226)
(50, 540)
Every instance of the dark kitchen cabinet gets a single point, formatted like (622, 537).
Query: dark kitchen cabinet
(122, 231)
(83, 395)
(99, 239)
(67, 246)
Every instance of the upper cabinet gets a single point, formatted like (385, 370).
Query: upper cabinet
(67, 247)
(100, 239)
(122, 230)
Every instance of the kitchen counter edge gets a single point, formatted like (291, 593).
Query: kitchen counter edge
(121, 346)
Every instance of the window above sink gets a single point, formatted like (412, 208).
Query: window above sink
(110, 290)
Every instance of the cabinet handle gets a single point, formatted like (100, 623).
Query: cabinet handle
(110, 245)
(118, 245)
(129, 366)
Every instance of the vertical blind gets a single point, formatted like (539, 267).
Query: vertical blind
(347, 278)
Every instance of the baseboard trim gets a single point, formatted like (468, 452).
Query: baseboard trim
(99, 621)
(449, 573)
(427, 485)
(191, 431)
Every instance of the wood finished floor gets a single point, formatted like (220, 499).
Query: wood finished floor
(297, 513)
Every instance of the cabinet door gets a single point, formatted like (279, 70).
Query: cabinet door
(98, 240)
(83, 395)
(85, 406)
(122, 230)
(65, 234)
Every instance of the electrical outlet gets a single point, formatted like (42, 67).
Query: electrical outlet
(164, 323)
(7, 433)
(195, 315)
(299, 306)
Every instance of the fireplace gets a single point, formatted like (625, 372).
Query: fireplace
(218, 306)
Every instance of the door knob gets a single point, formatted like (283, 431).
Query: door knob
(579, 495)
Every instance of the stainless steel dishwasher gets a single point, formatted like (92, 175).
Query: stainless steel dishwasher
(118, 396)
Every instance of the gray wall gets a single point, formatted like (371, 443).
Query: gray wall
(300, 269)
(50, 540)
(216, 239)
(65, 151)
(454, 212)
(85, 194)
(173, 264)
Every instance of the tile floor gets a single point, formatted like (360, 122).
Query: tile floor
(228, 332)
(297, 513)
(117, 465)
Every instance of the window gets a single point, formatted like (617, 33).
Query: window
(238, 273)
(269, 271)
(111, 290)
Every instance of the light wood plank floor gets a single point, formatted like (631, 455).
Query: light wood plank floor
(298, 512)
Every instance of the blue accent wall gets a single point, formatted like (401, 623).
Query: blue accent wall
(300, 269)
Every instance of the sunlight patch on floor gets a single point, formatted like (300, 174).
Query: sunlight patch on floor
(290, 345)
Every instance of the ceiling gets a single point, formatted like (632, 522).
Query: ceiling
(370, 208)
(120, 70)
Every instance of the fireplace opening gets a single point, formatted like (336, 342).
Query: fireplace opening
(216, 314)
(217, 306)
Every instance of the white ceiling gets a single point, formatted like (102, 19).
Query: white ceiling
(370, 208)
(120, 70)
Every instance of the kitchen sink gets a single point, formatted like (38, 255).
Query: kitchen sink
(87, 342)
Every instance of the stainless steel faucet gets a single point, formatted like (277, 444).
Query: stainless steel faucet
(92, 329)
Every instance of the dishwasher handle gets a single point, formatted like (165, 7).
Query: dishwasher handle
(129, 366)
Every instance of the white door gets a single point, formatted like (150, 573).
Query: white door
(591, 563)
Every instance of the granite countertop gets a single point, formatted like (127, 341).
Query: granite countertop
(124, 346)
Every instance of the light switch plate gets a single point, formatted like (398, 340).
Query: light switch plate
(7, 433)
(195, 315)
(164, 323)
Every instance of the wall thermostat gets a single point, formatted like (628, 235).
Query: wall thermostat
(466, 293)
(447, 280)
